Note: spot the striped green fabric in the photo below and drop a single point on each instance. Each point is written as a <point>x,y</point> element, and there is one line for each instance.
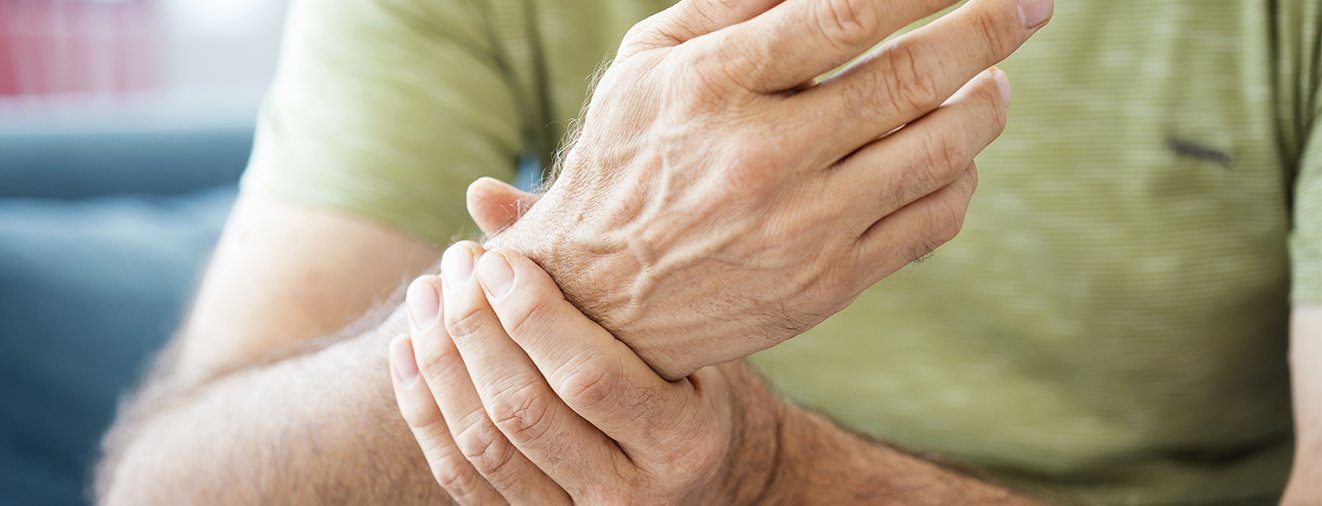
<point>1110,327</point>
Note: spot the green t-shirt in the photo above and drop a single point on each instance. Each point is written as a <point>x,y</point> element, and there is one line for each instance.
<point>1111,326</point>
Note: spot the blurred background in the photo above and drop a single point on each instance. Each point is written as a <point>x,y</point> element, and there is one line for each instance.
<point>124,125</point>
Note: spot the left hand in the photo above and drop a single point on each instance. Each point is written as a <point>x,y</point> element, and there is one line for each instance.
<point>514,395</point>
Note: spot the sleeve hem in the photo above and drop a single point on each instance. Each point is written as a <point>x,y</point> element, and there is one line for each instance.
<point>430,224</point>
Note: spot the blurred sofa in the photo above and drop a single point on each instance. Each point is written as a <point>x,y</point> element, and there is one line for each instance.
<point>104,228</point>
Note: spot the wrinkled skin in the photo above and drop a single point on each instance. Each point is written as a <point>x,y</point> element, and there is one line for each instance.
<point>718,200</point>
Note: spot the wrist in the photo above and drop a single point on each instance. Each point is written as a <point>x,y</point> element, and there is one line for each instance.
<point>586,272</point>
<point>797,436</point>
<point>752,463</point>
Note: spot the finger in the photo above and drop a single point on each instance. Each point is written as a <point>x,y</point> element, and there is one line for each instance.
<point>479,441</point>
<point>913,74</point>
<point>596,375</point>
<point>926,155</point>
<point>448,466</point>
<point>516,396</point>
<point>802,39</point>
<point>918,229</point>
<point>688,19</point>
<point>495,204</point>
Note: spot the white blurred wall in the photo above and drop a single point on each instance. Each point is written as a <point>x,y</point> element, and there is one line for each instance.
<point>221,44</point>
<point>166,62</point>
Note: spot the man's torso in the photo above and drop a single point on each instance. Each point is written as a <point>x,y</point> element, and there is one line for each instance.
<point>1111,323</point>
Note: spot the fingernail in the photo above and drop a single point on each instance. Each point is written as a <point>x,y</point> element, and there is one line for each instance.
<point>457,265</point>
<point>481,184</point>
<point>423,302</point>
<point>495,273</point>
<point>1035,12</point>
<point>1003,83</point>
<point>401,358</point>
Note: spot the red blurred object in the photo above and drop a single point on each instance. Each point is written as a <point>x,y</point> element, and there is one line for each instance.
<point>79,46</point>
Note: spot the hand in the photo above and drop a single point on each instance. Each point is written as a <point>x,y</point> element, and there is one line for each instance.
<point>516,396</point>
<point>715,190</point>
<point>495,205</point>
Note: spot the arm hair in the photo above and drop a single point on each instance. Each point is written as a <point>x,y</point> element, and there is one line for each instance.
<point>311,424</point>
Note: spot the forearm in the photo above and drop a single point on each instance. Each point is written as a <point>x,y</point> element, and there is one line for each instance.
<point>286,273</point>
<point>821,463</point>
<point>1305,485</point>
<point>316,428</point>
<point>817,462</point>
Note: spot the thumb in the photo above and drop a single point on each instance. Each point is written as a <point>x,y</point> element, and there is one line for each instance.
<point>495,205</point>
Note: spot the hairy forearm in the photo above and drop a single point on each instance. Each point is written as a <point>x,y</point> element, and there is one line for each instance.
<point>322,426</point>
<point>824,464</point>
<point>814,461</point>
<point>315,428</point>
<point>286,273</point>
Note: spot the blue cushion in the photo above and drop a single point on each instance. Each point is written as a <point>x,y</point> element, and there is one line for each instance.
<point>88,289</point>
<point>96,160</point>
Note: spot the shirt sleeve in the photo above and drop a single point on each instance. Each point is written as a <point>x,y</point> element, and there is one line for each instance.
<point>1303,26</point>
<point>1306,238</point>
<point>387,109</point>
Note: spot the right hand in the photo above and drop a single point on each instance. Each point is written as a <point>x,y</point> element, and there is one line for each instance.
<point>718,201</point>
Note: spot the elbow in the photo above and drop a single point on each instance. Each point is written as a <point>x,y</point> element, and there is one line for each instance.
<point>140,465</point>
<point>161,467</point>
<point>127,479</point>
<point>157,453</point>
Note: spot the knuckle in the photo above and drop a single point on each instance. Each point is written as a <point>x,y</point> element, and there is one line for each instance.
<point>638,29</point>
<point>782,229</point>
<point>538,314</point>
<point>847,23</point>
<point>520,413</point>
<point>467,320</point>
<point>907,81</point>
<point>997,33</point>
<point>743,182</point>
<point>949,216</point>
<point>641,34</point>
<point>954,225</point>
<point>753,170</point>
<point>485,447</point>
<point>454,475</point>
<point>591,384</point>
<point>986,114</point>
<point>705,80</point>
<point>652,32</point>
<point>942,152</point>
<point>436,360</point>
<point>688,20</point>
